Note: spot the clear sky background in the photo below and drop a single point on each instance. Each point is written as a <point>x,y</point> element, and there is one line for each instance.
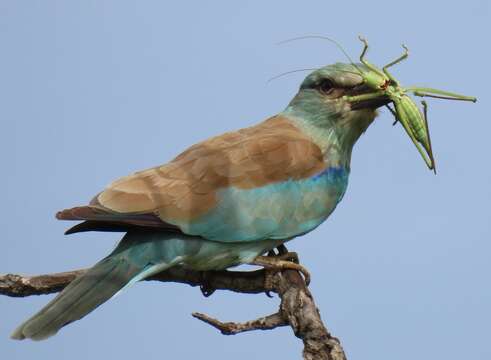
<point>94,90</point>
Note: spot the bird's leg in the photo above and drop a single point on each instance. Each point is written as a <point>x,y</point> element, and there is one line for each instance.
<point>284,254</point>
<point>283,261</point>
<point>268,273</point>
<point>282,249</point>
<point>271,253</point>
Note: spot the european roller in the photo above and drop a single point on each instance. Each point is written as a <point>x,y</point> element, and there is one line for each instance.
<point>224,201</point>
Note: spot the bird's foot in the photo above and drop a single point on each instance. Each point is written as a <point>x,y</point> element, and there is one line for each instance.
<point>284,260</point>
<point>284,254</point>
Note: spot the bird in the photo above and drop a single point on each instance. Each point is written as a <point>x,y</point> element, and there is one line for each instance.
<point>225,201</point>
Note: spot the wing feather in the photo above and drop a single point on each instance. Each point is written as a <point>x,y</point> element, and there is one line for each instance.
<point>186,188</point>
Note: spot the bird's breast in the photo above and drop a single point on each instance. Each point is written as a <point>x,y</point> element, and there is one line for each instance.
<point>276,211</point>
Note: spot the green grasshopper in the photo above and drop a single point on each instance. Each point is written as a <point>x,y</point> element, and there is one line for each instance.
<point>406,111</point>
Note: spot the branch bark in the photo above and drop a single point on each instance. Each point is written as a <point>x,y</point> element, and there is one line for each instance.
<point>269,322</point>
<point>297,308</point>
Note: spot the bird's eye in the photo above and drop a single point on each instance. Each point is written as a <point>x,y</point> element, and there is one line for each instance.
<point>326,86</point>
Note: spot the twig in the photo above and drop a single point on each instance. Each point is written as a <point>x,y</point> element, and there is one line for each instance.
<point>231,328</point>
<point>20,286</point>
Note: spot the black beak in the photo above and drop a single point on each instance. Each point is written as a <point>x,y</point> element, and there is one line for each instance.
<point>362,97</point>
<point>370,103</point>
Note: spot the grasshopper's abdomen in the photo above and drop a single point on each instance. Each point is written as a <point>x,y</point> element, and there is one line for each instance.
<point>407,109</point>
<point>416,126</point>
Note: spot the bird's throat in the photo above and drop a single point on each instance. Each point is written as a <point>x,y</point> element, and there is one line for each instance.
<point>335,138</point>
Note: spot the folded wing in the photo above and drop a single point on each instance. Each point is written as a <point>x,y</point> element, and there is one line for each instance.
<point>187,187</point>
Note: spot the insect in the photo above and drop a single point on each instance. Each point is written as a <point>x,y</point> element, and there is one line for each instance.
<point>405,111</point>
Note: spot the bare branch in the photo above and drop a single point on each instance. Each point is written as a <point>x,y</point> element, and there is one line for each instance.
<point>20,286</point>
<point>231,328</point>
<point>298,307</point>
<point>251,282</point>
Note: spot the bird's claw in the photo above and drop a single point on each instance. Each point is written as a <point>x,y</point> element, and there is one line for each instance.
<point>206,291</point>
<point>205,287</point>
<point>285,261</point>
<point>289,256</point>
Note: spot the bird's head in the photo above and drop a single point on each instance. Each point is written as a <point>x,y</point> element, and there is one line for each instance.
<point>322,107</point>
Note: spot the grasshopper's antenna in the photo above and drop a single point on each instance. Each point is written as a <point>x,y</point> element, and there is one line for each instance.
<point>323,38</point>
<point>290,72</point>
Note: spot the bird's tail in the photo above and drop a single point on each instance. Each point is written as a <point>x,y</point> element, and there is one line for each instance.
<point>138,255</point>
<point>128,263</point>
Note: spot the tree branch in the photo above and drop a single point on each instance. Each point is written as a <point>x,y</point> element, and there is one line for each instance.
<point>297,308</point>
<point>250,282</point>
<point>269,322</point>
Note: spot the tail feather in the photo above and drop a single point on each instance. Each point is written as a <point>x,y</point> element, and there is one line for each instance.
<point>138,255</point>
<point>79,298</point>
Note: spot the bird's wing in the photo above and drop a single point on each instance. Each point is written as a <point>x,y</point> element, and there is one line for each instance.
<point>186,188</point>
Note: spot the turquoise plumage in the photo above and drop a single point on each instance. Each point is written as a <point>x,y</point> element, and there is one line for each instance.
<point>224,201</point>
<point>272,211</point>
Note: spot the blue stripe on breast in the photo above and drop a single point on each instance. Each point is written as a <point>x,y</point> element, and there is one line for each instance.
<point>275,211</point>
<point>332,172</point>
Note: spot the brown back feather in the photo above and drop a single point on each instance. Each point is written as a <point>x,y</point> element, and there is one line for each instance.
<point>186,187</point>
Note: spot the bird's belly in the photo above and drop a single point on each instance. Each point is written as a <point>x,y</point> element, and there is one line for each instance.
<point>276,211</point>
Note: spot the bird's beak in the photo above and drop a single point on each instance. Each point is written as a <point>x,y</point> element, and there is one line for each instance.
<point>362,97</point>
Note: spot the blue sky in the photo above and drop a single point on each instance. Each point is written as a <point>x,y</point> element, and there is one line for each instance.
<point>94,90</point>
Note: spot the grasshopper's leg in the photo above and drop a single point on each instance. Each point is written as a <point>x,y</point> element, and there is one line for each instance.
<point>365,48</point>
<point>439,94</point>
<point>393,113</point>
<point>362,56</point>
<point>425,113</point>
<point>398,60</point>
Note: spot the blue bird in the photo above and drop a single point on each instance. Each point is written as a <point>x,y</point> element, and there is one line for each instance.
<point>224,201</point>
